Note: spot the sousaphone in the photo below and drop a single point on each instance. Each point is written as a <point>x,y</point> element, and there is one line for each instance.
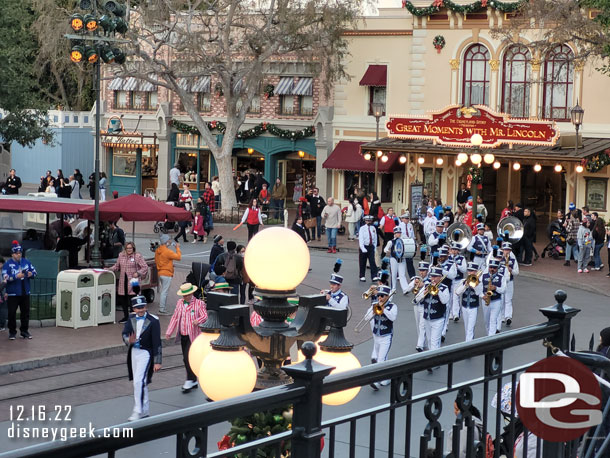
<point>459,233</point>
<point>512,227</point>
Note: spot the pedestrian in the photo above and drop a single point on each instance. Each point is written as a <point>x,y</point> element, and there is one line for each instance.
<point>439,212</point>
<point>253,217</point>
<point>79,177</point>
<point>382,326</point>
<point>508,210</point>
<point>91,186</point>
<point>117,238</point>
<point>529,233</point>
<point>367,242</point>
<point>3,300</point>
<point>571,224</point>
<point>217,249</point>
<point>164,260</point>
<point>216,188</point>
<point>298,227</point>
<point>462,195</point>
<point>585,241</point>
<point>174,175</point>
<point>102,185</point>
<point>387,223</point>
<point>13,183</point>
<point>131,268</point>
<point>429,224</point>
<point>469,294</point>
<point>278,196</point>
<point>608,248</point>
<point>63,188</point>
<point>481,209</point>
<point>74,188</point>
<point>174,194</point>
<point>352,216</point>
<point>332,216</point>
<point>189,313</point>
<point>142,334</point>
<point>71,245</point>
<point>264,197</point>
<point>448,215</point>
<point>317,204</point>
<point>599,236</point>
<point>245,284</point>
<point>198,228</point>
<point>233,265</point>
<point>16,272</point>
<point>304,212</point>
<point>183,225</point>
<point>208,199</point>
<point>186,198</point>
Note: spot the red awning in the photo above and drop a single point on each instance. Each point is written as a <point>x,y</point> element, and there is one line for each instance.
<point>135,207</point>
<point>346,156</point>
<point>22,204</point>
<point>375,75</point>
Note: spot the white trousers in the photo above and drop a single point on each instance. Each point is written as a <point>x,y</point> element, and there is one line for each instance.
<point>480,261</point>
<point>469,314</point>
<point>139,365</point>
<point>490,314</point>
<point>418,311</point>
<point>455,300</point>
<point>381,347</point>
<point>508,300</point>
<point>448,311</point>
<point>434,331</point>
<point>164,284</point>
<point>102,194</point>
<point>399,269</point>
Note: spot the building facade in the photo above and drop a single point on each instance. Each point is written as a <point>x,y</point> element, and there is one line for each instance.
<point>415,64</point>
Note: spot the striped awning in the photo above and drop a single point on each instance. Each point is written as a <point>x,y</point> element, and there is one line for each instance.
<point>238,86</point>
<point>116,84</point>
<point>147,86</point>
<point>184,84</point>
<point>284,87</point>
<point>304,87</point>
<point>131,84</point>
<point>202,84</point>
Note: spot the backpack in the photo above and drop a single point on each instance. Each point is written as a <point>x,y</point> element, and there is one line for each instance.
<point>231,267</point>
<point>489,443</point>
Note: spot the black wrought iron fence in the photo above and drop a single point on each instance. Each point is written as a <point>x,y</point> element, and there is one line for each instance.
<point>392,428</point>
<point>42,293</point>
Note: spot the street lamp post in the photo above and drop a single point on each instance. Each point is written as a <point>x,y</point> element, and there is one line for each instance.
<point>577,114</point>
<point>476,141</point>
<point>378,109</point>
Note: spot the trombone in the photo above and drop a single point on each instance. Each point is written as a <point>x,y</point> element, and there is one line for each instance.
<point>473,280</point>
<point>430,289</point>
<point>369,292</point>
<point>376,310</point>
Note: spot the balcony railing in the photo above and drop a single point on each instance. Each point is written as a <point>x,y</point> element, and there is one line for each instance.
<point>396,419</point>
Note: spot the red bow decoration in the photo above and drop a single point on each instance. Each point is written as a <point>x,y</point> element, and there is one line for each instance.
<point>225,443</point>
<point>484,3</point>
<point>438,3</point>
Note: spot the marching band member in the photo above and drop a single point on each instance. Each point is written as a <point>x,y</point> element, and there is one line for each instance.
<point>416,284</point>
<point>382,326</point>
<point>461,267</point>
<point>469,299</point>
<point>449,273</point>
<point>435,307</point>
<point>407,232</point>
<point>334,296</point>
<point>438,237</point>
<point>494,286</point>
<point>367,241</point>
<point>480,246</point>
<point>509,263</point>
<point>395,249</point>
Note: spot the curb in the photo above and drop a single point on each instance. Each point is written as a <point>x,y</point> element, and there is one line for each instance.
<point>571,284</point>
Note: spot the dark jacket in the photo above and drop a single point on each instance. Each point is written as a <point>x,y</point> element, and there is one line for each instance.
<point>299,230</point>
<point>239,264</point>
<point>317,204</point>
<point>529,227</point>
<point>216,250</point>
<point>174,194</point>
<point>519,214</point>
<point>12,185</point>
<point>72,246</point>
<point>462,196</point>
<point>150,340</point>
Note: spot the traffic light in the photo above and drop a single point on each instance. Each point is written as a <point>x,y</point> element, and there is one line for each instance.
<point>77,22</point>
<point>77,53</point>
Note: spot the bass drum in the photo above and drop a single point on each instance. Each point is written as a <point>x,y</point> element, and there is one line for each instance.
<point>410,247</point>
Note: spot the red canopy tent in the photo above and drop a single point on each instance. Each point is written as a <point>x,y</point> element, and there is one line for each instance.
<point>135,207</point>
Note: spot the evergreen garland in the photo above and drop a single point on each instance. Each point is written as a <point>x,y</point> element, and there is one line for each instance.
<point>475,174</point>
<point>505,7</point>
<point>596,163</point>
<point>253,132</point>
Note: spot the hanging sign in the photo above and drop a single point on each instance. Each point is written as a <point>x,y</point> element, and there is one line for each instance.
<point>455,125</point>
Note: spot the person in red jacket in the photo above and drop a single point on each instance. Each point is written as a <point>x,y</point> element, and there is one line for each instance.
<point>387,223</point>
<point>253,218</point>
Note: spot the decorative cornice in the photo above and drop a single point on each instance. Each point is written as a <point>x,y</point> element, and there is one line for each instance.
<point>377,33</point>
<point>455,64</point>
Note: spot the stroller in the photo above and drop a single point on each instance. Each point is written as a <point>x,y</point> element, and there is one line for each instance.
<point>165,226</point>
<point>556,247</point>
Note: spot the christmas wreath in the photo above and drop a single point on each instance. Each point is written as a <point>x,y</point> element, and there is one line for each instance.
<point>218,90</point>
<point>435,7</point>
<point>596,163</point>
<point>247,133</point>
<point>268,91</point>
<point>439,43</point>
<point>475,175</point>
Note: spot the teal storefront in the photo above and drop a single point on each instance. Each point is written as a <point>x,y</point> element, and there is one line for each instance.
<point>271,155</point>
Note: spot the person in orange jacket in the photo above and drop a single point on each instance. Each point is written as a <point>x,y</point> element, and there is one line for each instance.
<point>164,259</point>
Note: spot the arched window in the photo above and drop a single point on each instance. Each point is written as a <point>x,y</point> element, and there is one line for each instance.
<point>558,83</point>
<point>475,80</point>
<point>516,74</point>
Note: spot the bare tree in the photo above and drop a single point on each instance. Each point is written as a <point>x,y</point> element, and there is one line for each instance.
<point>234,40</point>
<point>584,25</point>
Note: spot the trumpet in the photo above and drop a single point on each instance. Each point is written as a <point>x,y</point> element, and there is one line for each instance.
<point>416,289</point>
<point>376,310</point>
<point>472,280</point>
<point>369,292</point>
<point>430,289</point>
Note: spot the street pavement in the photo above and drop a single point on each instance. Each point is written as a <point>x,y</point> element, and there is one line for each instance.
<point>166,396</point>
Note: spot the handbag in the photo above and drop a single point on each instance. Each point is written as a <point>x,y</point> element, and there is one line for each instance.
<point>310,223</point>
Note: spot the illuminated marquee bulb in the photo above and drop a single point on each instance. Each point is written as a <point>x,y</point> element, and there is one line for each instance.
<point>497,165</point>
<point>458,163</point>
<point>516,166</point>
<point>462,157</point>
<point>558,168</point>
<point>384,158</point>
<point>537,168</point>
<point>489,158</point>
<point>402,159</point>
<point>476,158</point>
<point>439,161</point>
<point>420,160</point>
<point>579,169</point>
<point>367,156</point>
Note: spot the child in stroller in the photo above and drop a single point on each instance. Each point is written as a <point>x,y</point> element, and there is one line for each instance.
<point>557,244</point>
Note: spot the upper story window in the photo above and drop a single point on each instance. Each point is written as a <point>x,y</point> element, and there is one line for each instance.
<point>134,94</point>
<point>558,83</point>
<point>516,73</point>
<point>475,80</point>
<point>375,78</point>
<point>376,95</point>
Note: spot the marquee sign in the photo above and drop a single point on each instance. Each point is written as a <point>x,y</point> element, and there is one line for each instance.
<point>454,125</point>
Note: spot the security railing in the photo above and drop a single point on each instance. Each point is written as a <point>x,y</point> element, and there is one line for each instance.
<point>393,428</point>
